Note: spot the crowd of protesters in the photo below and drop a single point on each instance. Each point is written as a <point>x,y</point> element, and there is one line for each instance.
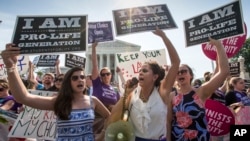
<point>155,108</point>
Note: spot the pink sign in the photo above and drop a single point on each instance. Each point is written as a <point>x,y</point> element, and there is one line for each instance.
<point>232,46</point>
<point>219,118</point>
<point>243,116</point>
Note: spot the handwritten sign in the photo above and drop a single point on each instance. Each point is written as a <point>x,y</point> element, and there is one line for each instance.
<point>219,118</point>
<point>131,62</point>
<point>34,123</point>
<point>100,31</point>
<point>139,19</point>
<point>22,66</point>
<point>223,22</point>
<point>50,34</point>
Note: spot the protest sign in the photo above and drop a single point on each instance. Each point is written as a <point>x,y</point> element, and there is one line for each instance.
<point>34,123</point>
<point>131,62</point>
<point>223,22</point>
<point>232,46</point>
<point>50,34</point>
<point>72,60</point>
<point>219,118</point>
<point>139,19</point>
<point>47,60</point>
<point>100,31</point>
<point>22,66</point>
<point>234,69</point>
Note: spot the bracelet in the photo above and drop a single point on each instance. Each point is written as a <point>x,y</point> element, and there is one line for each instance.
<point>12,69</point>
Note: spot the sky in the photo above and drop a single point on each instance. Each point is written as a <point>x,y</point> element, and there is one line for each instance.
<point>101,10</point>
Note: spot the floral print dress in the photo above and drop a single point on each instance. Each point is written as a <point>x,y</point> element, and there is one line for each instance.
<point>189,121</point>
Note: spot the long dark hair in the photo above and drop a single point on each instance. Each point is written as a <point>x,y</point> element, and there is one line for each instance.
<point>63,103</point>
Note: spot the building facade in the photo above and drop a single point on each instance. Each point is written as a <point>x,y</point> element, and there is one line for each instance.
<point>106,52</point>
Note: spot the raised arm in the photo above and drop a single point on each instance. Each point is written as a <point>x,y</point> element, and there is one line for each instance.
<point>57,67</point>
<point>95,71</point>
<point>31,76</point>
<point>16,85</point>
<point>167,83</point>
<point>207,89</point>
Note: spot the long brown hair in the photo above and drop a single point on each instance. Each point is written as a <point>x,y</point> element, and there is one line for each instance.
<point>63,103</point>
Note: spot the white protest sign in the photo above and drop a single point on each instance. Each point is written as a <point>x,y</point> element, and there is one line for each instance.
<point>131,62</point>
<point>34,123</point>
<point>22,66</point>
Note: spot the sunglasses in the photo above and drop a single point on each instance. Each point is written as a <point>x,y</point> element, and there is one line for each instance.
<point>1,89</point>
<point>107,74</point>
<point>76,77</point>
<point>59,79</point>
<point>180,72</point>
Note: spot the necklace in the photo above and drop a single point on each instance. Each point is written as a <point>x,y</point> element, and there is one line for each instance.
<point>144,99</point>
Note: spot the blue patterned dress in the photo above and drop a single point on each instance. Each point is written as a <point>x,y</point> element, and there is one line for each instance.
<point>78,127</point>
<point>189,121</point>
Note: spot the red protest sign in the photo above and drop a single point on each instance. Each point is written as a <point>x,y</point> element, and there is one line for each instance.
<point>232,46</point>
<point>219,118</point>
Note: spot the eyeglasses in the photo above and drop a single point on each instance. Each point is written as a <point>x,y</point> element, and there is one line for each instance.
<point>76,77</point>
<point>58,79</point>
<point>1,89</point>
<point>180,72</point>
<point>107,74</point>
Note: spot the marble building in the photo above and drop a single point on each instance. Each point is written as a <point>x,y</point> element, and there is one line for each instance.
<point>106,54</point>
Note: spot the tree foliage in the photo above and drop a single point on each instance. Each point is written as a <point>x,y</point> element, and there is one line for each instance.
<point>245,53</point>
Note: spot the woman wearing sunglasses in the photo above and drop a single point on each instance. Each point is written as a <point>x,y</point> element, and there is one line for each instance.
<point>186,111</point>
<point>102,88</point>
<point>72,106</point>
<point>57,83</point>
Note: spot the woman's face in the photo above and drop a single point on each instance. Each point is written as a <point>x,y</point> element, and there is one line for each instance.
<point>58,81</point>
<point>146,75</point>
<point>240,85</point>
<point>183,75</point>
<point>105,76</point>
<point>78,81</point>
<point>3,92</point>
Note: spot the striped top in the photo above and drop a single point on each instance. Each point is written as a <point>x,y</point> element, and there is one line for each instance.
<point>78,127</point>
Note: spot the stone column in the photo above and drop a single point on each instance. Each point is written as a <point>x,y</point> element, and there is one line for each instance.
<point>242,68</point>
<point>100,61</point>
<point>108,61</point>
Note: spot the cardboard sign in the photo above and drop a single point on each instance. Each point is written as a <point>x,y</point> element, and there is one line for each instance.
<point>72,61</point>
<point>139,19</point>
<point>47,60</point>
<point>22,66</point>
<point>131,62</point>
<point>34,123</point>
<point>50,34</point>
<point>223,22</point>
<point>219,118</point>
<point>100,31</point>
